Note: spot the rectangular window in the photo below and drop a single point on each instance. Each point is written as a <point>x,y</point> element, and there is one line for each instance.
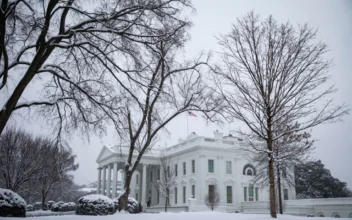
<point>256,194</point>
<point>245,193</point>
<point>193,166</point>
<point>158,174</point>
<point>229,194</point>
<point>137,179</point>
<point>285,194</point>
<point>193,191</point>
<point>168,171</point>
<point>175,169</point>
<point>137,196</point>
<point>184,194</point>
<point>175,195</point>
<point>211,166</point>
<point>151,176</point>
<point>284,172</point>
<point>251,192</point>
<point>228,167</point>
<point>184,168</point>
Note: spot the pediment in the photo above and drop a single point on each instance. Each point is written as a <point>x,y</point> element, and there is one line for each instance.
<point>192,180</point>
<point>183,182</point>
<point>104,153</point>
<point>229,181</point>
<point>211,180</point>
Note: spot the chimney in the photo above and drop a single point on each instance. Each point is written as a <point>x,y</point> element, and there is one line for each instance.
<point>218,134</point>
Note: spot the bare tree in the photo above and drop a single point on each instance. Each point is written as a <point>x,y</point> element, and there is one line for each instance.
<point>59,161</point>
<point>167,183</point>
<point>272,72</point>
<point>173,88</point>
<point>75,54</point>
<point>212,198</point>
<point>19,161</point>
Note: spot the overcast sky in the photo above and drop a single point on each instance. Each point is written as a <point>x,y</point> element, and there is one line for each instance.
<point>214,17</point>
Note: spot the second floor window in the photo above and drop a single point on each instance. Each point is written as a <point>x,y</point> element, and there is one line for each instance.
<point>211,166</point>
<point>193,166</point>
<point>228,167</point>
<point>137,179</point>
<point>184,168</point>
<point>175,169</point>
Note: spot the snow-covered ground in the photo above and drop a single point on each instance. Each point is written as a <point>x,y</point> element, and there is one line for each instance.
<point>174,216</point>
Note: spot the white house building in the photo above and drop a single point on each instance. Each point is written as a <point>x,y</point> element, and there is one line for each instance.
<point>200,162</point>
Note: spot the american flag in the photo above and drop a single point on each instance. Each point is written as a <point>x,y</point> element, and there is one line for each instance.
<point>192,114</point>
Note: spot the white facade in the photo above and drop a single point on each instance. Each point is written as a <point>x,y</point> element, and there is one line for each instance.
<point>201,161</point>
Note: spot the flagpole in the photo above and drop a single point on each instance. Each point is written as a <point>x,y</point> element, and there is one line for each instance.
<point>187,124</point>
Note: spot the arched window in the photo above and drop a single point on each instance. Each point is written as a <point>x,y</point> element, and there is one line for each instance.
<point>335,215</point>
<point>249,170</point>
<point>320,214</point>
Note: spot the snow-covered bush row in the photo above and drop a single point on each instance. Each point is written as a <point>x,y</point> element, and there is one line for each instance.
<point>49,204</point>
<point>37,206</point>
<point>63,207</point>
<point>29,208</point>
<point>95,205</point>
<point>132,207</point>
<point>11,204</point>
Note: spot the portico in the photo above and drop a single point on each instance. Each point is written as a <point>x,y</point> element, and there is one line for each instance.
<point>111,164</point>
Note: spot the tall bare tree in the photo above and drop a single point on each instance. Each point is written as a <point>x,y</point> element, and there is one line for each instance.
<point>167,183</point>
<point>58,163</point>
<point>173,88</point>
<point>75,54</point>
<point>212,198</point>
<point>272,72</point>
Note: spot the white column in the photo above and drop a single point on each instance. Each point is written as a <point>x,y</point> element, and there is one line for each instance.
<point>108,188</point>
<point>99,181</point>
<point>144,186</point>
<point>104,181</point>
<point>122,180</point>
<point>114,181</point>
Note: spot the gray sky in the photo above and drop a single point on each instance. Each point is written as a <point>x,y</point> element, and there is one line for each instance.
<point>334,20</point>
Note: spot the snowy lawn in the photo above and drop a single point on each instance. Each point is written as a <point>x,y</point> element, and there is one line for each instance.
<point>174,216</point>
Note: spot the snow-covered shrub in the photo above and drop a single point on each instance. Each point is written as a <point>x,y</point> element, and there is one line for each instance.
<point>71,206</point>
<point>37,206</point>
<point>49,204</point>
<point>95,205</point>
<point>63,207</point>
<point>29,208</point>
<point>11,204</point>
<point>132,206</point>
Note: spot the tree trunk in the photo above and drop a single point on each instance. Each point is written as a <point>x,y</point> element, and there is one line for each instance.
<point>43,200</point>
<point>123,200</point>
<point>272,189</point>
<point>165,204</point>
<point>271,166</point>
<point>279,190</point>
<point>167,199</point>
